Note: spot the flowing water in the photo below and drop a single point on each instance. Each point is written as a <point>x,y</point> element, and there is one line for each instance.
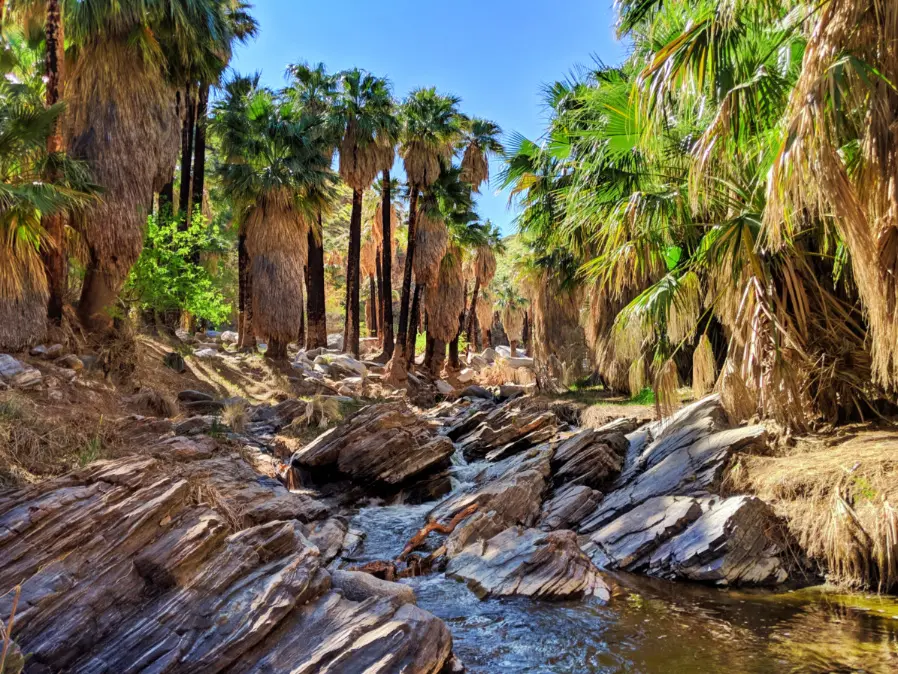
<point>650,625</point>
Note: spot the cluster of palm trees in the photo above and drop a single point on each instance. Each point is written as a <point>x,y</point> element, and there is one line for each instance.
<point>275,156</point>
<point>723,204</point>
<point>124,84</point>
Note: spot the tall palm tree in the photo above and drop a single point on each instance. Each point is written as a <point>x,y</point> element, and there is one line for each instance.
<point>364,108</point>
<point>121,118</point>
<point>480,141</point>
<point>431,126</point>
<point>384,225</point>
<point>314,89</point>
<point>484,271</point>
<point>27,197</point>
<point>277,174</point>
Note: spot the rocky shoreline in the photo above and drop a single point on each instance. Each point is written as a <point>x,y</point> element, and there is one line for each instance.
<point>185,558</point>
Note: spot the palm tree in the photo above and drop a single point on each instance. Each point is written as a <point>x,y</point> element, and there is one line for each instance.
<point>277,175</point>
<point>384,230</point>
<point>314,89</point>
<point>27,197</point>
<point>121,118</point>
<point>484,271</point>
<point>430,128</point>
<point>364,108</point>
<point>480,141</point>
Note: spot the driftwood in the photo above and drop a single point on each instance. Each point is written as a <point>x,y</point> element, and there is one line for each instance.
<point>418,539</point>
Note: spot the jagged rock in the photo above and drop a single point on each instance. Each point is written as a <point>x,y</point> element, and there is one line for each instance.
<point>686,459</point>
<point>626,542</point>
<point>590,457</point>
<point>190,396</point>
<point>206,353</point>
<point>195,425</point>
<point>335,341</point>
<point>38,351</point>
<point>280,415</point>
<point>185,336</point>
<point>348,364</point>
<point>26,379</point>
<point>474,391</point>
<point>328,537</point>
<point>477,362</point>
<point>535,437</point>
<point>569,505</point>
<point>229,337</point>
<point>360,586</point>
<point>204,406</point>
<point>510,391</point>
<point>385,443</point>
<point>70,362</point>
<point>443,387</point>
<point>146,564</point>
<point>481,526</point>
<point>511,488</point>
<point>530,563</point>
<point>10,367</point>
<point>519,361</point>
<point>504,425</point>
<point>738,541</point>
<point>489,355</point>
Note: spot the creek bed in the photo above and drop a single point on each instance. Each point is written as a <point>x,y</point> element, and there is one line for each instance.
<point>650,625</point>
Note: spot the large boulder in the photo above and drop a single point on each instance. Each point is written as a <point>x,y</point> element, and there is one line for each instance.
<point>506,429</point>
<point>385,443</point>
<point>171,561</point>
<point>590,457</point>
<point>530,563</point>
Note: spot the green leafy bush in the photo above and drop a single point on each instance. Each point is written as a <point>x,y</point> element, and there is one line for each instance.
<point>169,276</point>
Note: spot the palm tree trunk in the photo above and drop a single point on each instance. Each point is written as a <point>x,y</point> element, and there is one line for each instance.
<point>199,152</point>
<point>386,264</point>
<point>378,271</point>
<point>55,254</point>
<point>372,300</point>
<point>301,338</point>
<point>401,335</point>
<point>97,294</point>
<point>316,336</point>
<point>244,296</point>
<point>353,276</point>
<point>277,350</point>
<point>470,331</point>
<point>525,332</point>
<point>414,319</point>
<point>438,357</point>
<point>428,351</point>
<point>167,196</point>
<point>187,154</point>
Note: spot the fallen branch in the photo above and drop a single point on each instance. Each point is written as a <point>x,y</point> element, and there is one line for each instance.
<point>418,539</point>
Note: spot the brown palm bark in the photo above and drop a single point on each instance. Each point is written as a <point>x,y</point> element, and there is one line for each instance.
<point>386,262</point>
<point>199,150</point>
<point>372,301</point>
<point>167,195</point>
<point>353,276</point>
<point>472,315</point>
<point>244,296</point>
<point>277,350</point>
<point>316,335</point>
<point>301,338</point>
<point>404,304</point>
<point>97,295</point>
<point>379,304</point>
<point>414,321</point>
<point>54,255</point>
<point>187,154</point>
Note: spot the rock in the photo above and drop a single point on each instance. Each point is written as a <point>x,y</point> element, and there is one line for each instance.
<point>477,362</point>
<point>190,396</point>
<point>510,391</point>
<point>10,367</point>
<point>519,362</point>
<point>195,425</point>
<point>312,354</point>
<point>738,541</point>
<point>385,443</point>
<point>204,406</point>
<point>144,564</point>
<point>26,379</point>
<point>626,542</point>
<point>174,361</point>
<point>328,537</point>
<point>229,337</point>
<point>71,362</point>
<point>444,388</point>
<point>335,341</point>
<point>489,355</point>
<point>475,391</point>
<point>569,505</point>
<point>502,426</point>
<point>349,364</point>
<point>39,351</point>
<point>590,457</point>
<point>206,353</point>
<point>368,344</point>
<point>530,563</point>
<point>511,488</point>
<point>359,586</point>
<point>466,375</point>
<point>208,345</point>
<point>185,336</point>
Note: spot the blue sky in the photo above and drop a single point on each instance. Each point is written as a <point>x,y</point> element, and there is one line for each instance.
<point>494,54</point>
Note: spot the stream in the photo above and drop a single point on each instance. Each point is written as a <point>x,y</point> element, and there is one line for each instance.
<point>650,625</point>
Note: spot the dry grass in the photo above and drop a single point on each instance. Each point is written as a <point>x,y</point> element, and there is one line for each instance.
<point>23,317</point>
<point>235,415</point>
<point>667,381</point>
<point>513,323</point>
<point>446,300</point>
<point>838,496</point>
<point>360,158</point>
<point>636,376</point>
<point>117,352</point>
<point>34,446</point>
<point>431,243</point>
<point>704,369</point>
